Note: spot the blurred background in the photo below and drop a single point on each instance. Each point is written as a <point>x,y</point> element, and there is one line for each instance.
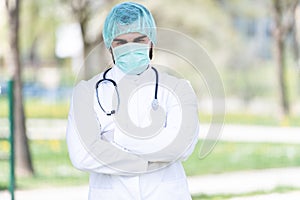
<point>47,45</point>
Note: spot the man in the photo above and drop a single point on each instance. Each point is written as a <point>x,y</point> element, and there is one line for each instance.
<point>132,132</point>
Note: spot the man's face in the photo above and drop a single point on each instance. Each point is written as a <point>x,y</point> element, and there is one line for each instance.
<point>130,37</point>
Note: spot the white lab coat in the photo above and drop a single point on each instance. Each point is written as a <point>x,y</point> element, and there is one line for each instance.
<point>136,180</point>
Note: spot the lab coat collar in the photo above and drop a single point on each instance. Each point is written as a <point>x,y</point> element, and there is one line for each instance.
<point>116,74</point>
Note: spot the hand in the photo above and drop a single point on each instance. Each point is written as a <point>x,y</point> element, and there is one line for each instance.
<point>153,166</point>
<point>107,135</point>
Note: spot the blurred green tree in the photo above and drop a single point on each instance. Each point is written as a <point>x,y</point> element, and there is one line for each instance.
<point>39,21</point>
<point>84,12</point>
<point>283,16</point>
<point>213,24</point>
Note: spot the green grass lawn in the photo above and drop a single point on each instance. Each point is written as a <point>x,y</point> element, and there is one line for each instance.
<point>36,108</point>
<point>51,165</point>
<point>53,168</point>
<point>233,156</point>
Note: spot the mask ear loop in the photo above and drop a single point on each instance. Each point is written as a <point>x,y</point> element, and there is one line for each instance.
<point>112,55</point>
<point>151,51</point>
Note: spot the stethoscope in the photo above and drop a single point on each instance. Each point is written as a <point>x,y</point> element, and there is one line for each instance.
<point>108,113</point>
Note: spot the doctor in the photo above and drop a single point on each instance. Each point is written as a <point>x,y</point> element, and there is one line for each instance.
<point>131,126</point>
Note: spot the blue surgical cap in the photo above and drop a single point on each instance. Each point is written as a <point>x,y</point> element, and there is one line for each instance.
<point>128,17</point>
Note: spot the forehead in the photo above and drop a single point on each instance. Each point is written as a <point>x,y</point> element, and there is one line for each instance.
<point>130,36</point>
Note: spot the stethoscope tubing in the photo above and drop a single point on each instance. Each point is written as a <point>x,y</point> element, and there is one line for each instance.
<point>154,103</point>
<point>118,96</point>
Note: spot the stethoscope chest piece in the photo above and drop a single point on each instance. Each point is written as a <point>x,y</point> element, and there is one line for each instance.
<point>155,104</point>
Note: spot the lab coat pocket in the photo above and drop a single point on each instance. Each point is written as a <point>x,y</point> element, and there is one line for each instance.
<point>100,181</point>
<point>173,190</point>
<point>101,187</point>
<point>174,184</point>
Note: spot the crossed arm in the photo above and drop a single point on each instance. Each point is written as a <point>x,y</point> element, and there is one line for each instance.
<point>89,153</point>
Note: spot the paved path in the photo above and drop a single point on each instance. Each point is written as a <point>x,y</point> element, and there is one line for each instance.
<point>228,183</point>
<point>56,129</point>
<point>243,133</point>
<point>245,181</point>
<point>68,193</point>
<point>275,196</point>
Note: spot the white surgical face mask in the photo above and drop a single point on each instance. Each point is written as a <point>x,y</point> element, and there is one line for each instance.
<point>132,58</point>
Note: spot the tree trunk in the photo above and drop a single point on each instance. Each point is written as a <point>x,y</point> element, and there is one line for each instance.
<point>22,156</point>
<point>279,36</point>
<point>295,44</point>
<point>85,52</point>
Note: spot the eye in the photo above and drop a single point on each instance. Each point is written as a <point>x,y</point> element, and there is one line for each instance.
<point>139,40</point>
<point>121,42</point>
<point>118,43</point>
<point>142,39</point>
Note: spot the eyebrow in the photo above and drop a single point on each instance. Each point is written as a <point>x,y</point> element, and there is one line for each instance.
<point>135,39</point>
<point>140,37</point>
<point>119,40</point>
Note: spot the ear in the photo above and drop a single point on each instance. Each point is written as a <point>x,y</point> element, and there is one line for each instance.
<point>112,55</point>
<point>151,51</point>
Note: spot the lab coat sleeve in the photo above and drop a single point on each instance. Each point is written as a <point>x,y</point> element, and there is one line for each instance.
<point>187,131</point>
<point>191,148</point>
<point>89,153</point>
